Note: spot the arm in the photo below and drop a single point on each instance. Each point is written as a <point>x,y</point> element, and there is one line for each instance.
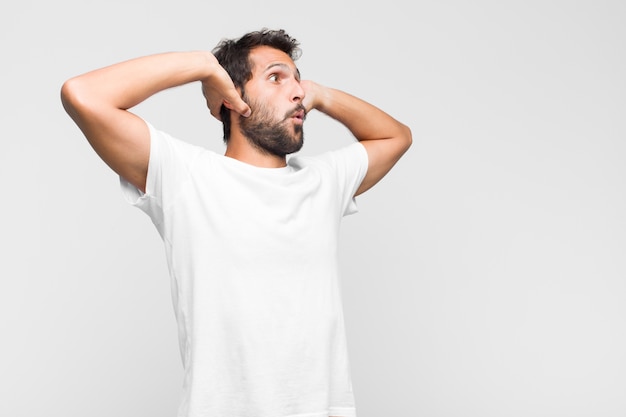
<point>98,102</point>
<point>384,138</point>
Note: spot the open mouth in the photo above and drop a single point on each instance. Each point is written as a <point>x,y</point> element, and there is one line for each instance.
<point>299,115</point>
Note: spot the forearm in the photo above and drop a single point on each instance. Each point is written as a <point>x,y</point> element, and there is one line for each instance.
<point>365,121</point>
<point>128,83</point>
<point>385,139</point>
<point>97,101</point>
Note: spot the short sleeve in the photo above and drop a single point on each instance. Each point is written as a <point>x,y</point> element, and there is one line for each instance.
<point>170,163</point>
<point>350,165</point>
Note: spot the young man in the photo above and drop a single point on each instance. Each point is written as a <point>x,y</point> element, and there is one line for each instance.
<point>251,235</point>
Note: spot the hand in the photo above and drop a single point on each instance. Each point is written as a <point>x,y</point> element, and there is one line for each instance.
<point>218,89</point>
<point>313,96</point>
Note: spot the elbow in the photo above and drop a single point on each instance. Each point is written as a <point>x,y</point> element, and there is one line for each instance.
<point>70,96</point>
<point>407,137</point>
<point>78,100</point>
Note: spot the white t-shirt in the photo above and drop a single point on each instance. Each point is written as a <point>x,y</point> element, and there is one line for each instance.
<point>252,254</point>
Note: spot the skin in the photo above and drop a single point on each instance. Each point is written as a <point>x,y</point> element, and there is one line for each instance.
<point>276,80</point>
<point>98,102</point>
<point>275,93</point>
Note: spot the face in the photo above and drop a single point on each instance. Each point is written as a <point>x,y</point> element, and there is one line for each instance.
<point>275,96</point>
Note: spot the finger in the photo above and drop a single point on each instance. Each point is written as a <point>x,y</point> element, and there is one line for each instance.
<point>307,102</point>
<point>240,107</point>
<point>216,114</point>
<point>214,108</point>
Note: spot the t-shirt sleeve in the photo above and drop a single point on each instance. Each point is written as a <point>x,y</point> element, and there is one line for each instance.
<point>350,165</point>
<point>169,165</point>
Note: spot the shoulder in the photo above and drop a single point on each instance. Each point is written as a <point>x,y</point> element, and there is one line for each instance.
<point>162,139</point>
<point>168,150</point>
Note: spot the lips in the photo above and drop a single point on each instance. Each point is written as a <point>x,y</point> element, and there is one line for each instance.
<point>299,112</point>
<point>299,115</point>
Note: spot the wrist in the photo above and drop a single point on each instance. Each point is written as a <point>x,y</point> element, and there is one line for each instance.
<point>204,63</point>
<point>323,99</point>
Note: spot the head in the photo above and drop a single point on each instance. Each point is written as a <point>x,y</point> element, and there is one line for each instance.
<point>238,57</point>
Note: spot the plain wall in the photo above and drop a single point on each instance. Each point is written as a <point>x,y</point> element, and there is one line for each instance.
<point>484,276</point>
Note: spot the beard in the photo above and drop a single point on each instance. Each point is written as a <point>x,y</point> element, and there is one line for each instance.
<point>270,136</point>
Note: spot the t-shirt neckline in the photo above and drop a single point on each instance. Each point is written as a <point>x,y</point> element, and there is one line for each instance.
<point>253,168</point>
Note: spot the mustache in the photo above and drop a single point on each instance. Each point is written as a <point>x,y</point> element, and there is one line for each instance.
<point>299,108</point>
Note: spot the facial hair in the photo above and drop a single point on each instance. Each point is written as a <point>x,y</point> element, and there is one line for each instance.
<point>273,137</point>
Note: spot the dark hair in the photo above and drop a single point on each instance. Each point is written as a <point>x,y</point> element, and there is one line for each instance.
<point>233,54</point>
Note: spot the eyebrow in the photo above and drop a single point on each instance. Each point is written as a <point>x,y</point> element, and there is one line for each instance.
<point>284,66</point>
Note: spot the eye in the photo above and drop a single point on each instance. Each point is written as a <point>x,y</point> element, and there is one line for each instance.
<point>273,77</point>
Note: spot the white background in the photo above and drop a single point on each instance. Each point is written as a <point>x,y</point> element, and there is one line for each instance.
<point>485,276</point>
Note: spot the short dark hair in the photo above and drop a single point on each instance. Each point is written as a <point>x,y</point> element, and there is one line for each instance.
<point>233,55</point>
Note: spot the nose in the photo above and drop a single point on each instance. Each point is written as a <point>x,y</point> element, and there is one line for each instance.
<point>298,92</point>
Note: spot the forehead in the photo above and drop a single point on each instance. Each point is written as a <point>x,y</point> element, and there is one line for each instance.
<point>264,57</point>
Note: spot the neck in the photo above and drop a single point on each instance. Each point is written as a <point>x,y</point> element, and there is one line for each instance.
<point>239,148</point>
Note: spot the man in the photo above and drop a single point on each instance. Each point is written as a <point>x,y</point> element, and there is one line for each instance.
<point>251,235</point>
